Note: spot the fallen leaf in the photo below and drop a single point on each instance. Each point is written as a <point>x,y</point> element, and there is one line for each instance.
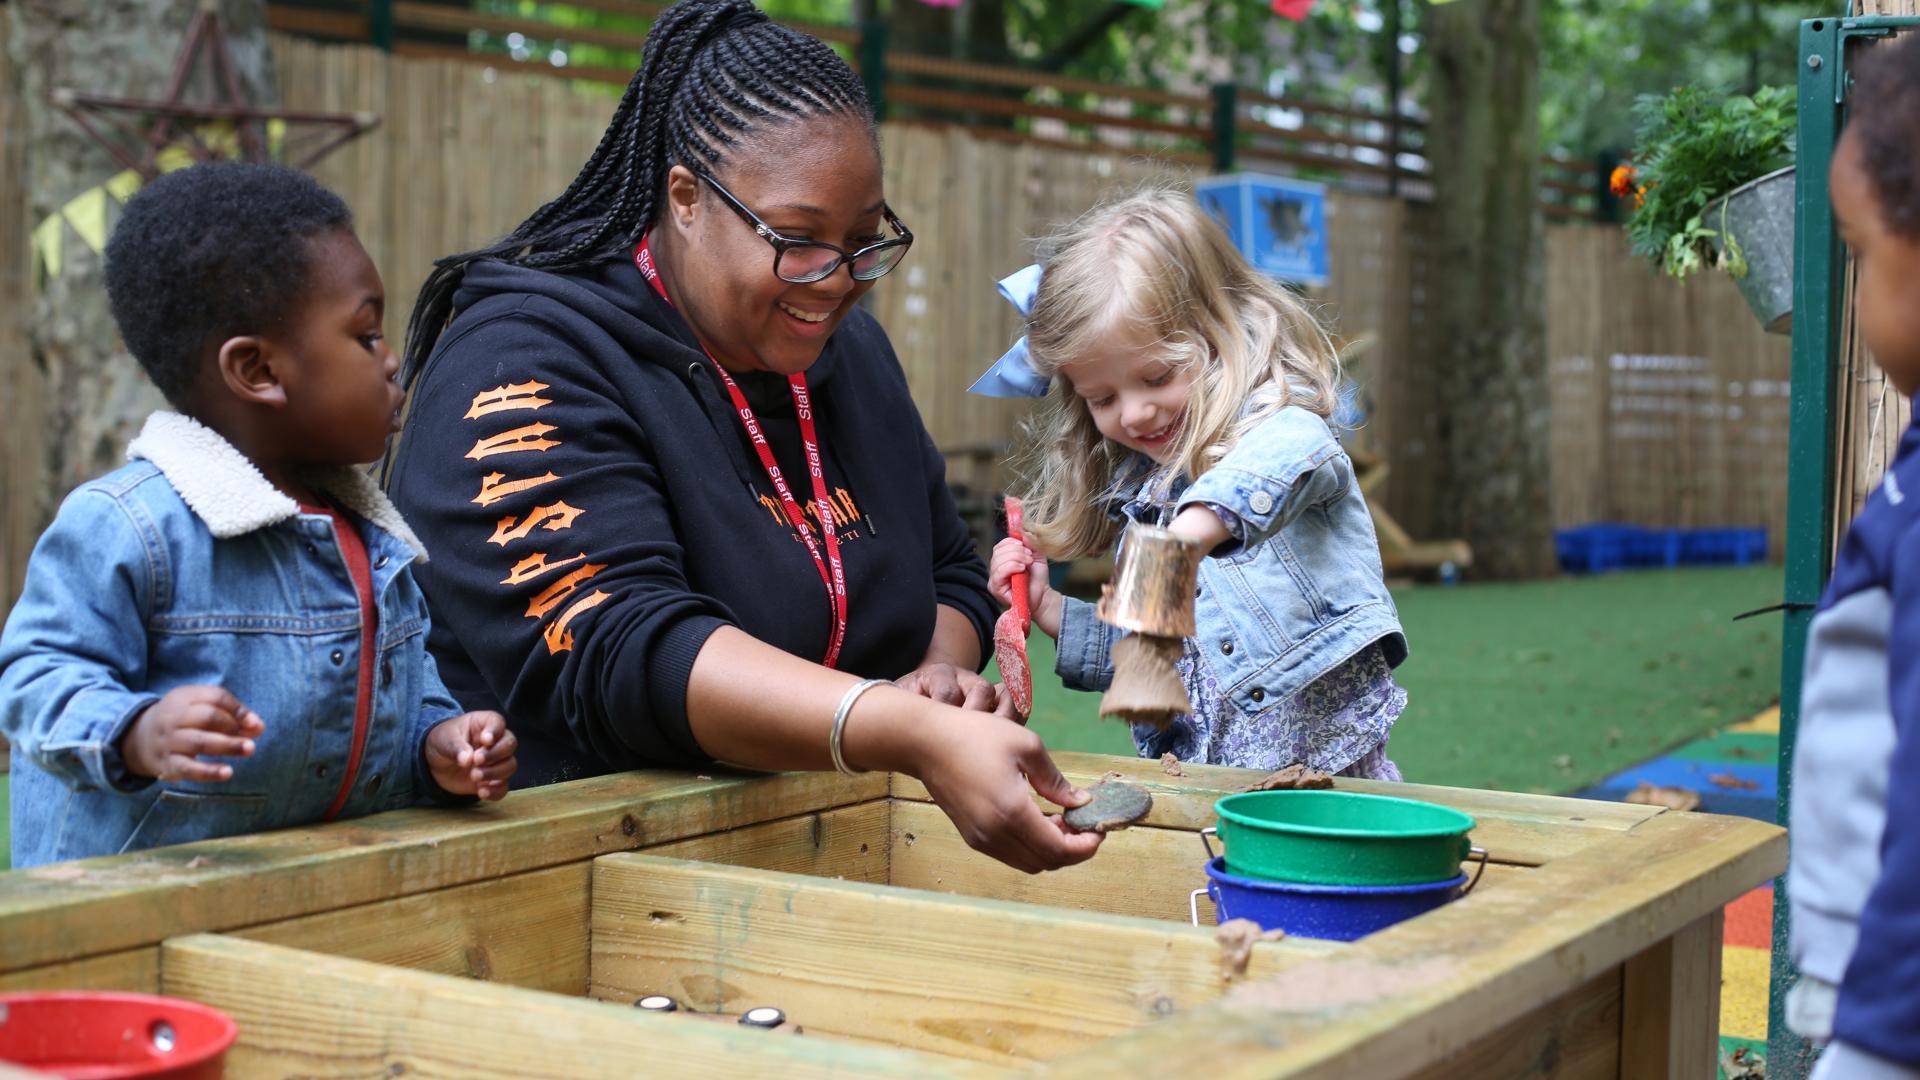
<point>1673,798</point>
<point>1728,780</point>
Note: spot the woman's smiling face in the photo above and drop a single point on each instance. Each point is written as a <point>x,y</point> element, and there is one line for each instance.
<point>818,179</point>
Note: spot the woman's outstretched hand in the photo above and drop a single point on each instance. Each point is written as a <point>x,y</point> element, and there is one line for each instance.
<point>951,684</point>
<point>984,773</point>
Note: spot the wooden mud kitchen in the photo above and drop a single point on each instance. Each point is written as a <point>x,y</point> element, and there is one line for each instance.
<point>514,939</point>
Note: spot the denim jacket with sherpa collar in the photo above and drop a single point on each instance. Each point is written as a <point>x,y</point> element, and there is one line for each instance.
<point>1299,589</point>
<point>186,567</point>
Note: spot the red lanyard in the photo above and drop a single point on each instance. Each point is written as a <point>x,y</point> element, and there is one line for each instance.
<point>832,575</point>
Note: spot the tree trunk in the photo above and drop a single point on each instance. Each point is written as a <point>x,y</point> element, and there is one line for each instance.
<point>93,396</point>
<point>1484,296</point>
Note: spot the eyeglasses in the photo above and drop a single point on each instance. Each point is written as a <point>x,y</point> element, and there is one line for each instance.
<point>802,261</point>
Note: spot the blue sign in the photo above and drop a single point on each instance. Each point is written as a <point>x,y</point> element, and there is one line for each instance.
<point>1280,225</point>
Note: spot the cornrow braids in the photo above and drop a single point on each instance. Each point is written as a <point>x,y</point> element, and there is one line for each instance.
<point>713,73</point>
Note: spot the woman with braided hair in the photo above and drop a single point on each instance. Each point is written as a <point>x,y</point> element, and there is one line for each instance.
<point>680,504</point>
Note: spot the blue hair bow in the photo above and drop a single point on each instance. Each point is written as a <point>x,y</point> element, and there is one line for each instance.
<point>1012,375</point>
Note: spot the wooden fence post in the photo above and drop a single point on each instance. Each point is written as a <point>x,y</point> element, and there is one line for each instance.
<point>873,65</point>
<point>380,24</point>
<point>1226,112</point>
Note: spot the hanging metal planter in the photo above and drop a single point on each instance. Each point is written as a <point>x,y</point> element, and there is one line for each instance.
<point>1754,223</point>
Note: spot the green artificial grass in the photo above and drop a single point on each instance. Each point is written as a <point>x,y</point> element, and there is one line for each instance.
<point>1544,686</point>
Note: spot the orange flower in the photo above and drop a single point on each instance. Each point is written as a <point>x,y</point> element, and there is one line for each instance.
<point>1621,183</point>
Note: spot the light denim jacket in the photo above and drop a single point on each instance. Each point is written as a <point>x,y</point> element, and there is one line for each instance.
<point>187,567</point>
<point>1298,591</point>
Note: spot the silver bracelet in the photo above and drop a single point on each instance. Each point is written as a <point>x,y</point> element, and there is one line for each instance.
<point>840,721</point>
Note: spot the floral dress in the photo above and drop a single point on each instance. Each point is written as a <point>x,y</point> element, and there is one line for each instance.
<point>1338,723</point>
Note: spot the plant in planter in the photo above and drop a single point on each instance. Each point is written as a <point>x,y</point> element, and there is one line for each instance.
<point>1712,185</point>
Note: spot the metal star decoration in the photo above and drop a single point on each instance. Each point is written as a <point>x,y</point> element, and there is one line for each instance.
<point>136,130</point>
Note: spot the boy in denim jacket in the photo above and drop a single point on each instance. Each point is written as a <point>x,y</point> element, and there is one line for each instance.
<point>241,589</point>
<point>1854,879</point>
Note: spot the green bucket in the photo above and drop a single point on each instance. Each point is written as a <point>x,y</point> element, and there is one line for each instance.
<point>1341,838</point>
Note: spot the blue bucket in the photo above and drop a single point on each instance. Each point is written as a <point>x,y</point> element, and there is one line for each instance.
<point>1334,912</point>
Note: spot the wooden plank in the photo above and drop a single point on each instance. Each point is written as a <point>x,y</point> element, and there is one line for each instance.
<point>1413,123</point>
<point>286,18</point>
<point>522,930</point>
<point>983,979</point>
<point>1670,1022</point>
<point>1424,990</point>
<point>1520,829</point>
<point>413,15</point>
<point>54,913</point>
<point>135,970</point>
<point>848,843</point>
<point>424,50</point>
<point>1028,78</point>
<point>1574,1037</point>
<point>953,101</point>
<point>303,1013</point>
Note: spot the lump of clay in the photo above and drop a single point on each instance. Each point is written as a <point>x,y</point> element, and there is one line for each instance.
<point>1295,777</point>
<point>1114,806</point>
<point>1146,687</point>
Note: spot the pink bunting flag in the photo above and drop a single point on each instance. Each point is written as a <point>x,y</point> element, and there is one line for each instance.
<point>1286,9</point>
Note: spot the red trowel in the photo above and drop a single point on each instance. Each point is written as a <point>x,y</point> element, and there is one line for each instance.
<point>1010,632</point>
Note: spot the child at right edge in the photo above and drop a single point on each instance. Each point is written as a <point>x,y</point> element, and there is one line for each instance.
<point>1854,878</point>
<point>1185,389</point>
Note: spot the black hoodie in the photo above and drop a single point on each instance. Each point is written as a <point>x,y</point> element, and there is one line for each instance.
<point>594,511</point>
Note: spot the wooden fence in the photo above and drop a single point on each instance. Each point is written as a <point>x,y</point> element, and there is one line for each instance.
<point>465,150</point>
<point>1223,126</point>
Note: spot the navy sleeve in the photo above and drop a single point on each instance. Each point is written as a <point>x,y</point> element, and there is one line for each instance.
<point>959,577</point>
<point>1879,1008</point>
<point>556,564</point>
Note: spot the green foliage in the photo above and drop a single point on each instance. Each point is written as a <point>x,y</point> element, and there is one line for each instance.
<point>1597,57</point>
<point>1693,148</point>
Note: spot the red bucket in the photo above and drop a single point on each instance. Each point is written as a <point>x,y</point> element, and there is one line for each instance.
<point>84,1035</point>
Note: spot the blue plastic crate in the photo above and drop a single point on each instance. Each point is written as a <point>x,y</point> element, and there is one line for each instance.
<point>1734,547</point>
<point>1594,549</point>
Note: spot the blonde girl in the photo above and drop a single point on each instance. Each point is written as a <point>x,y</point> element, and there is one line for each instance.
<point>1185,389</point>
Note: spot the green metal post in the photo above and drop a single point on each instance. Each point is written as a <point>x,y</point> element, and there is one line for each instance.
<point>1226,114</point>
<point>1811,475</point>
<point>1606,205</point>
<point>380,24</point>
<point>873,65</point>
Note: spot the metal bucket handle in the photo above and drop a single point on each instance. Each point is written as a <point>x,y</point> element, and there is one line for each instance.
<point>1193,901</point>
<point>1204,833</point>
<point>1482,853</point>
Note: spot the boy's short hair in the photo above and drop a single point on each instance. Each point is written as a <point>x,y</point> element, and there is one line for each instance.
<point>212,252</point>
<point>1886,117</point>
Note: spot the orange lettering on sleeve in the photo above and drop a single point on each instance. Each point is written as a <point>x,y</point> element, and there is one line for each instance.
<point>496,486</point>
<point>507,399</point>
<point>553,518</point>
<point>558,638</point>
<point>551,596</point>
<point>536,564</point>
<point>519,440</point>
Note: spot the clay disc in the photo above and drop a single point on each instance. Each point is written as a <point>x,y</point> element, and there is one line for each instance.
<point>1113,806</point>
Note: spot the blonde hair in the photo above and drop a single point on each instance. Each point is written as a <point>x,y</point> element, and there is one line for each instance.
<point>1157,261</point>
